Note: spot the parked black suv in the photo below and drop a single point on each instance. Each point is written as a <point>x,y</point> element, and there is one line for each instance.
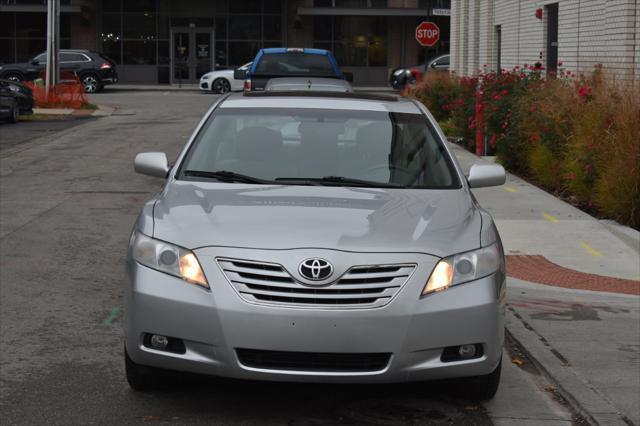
<point>94,69</point>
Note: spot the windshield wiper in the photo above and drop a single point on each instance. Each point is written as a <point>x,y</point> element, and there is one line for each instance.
<point>227,176</point>
<point>341,180</point>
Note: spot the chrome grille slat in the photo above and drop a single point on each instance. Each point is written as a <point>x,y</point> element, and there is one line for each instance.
<point>320,295</point>
<point>359,287</point>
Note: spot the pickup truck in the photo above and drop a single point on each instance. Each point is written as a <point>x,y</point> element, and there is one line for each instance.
<point>289,62</point>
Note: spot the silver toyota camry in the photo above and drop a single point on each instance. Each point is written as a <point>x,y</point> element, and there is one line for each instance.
<point>316,237</point>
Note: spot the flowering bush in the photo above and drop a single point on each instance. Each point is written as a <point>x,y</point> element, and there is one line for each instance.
<point>577,136</point>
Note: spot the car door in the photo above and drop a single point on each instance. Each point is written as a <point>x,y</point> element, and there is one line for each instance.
<point>71,62</point>
<point>36,67</point>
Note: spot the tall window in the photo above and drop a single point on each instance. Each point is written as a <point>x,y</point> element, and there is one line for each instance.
<point>356,41</point>
<point>24,34</point>
<point>129,31</point>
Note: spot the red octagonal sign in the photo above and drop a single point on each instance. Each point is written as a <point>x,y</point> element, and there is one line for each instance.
<point>427,34</point>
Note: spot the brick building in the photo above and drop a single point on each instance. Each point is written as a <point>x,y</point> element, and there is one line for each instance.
<point>577,33</point>
<point>162,41</point>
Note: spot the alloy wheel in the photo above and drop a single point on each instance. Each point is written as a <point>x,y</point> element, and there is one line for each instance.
<point>221,86</point>
<point>90,84</point>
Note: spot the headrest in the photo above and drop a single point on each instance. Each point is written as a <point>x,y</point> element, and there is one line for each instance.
<point>374,139</point>
<point>258,144</point>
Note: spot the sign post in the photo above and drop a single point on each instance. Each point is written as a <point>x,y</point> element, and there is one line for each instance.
<point>53,44</point>
<point>427,34</point>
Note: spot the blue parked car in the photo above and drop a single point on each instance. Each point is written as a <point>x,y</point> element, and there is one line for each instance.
<point>289,62</point>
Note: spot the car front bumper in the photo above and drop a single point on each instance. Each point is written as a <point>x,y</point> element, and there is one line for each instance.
<point>205,85</point>
<point>414,330</point>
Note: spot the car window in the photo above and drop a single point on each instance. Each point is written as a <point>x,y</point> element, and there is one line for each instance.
<point>41,58</point>
<point>294,64</point>
<point>271,143</point>
<point>72,57</point>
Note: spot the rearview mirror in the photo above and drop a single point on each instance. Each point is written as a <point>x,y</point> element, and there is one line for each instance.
<point>239,74</point>
<point>348,76</point>
<point>152,164</point>
<point>483,175</point>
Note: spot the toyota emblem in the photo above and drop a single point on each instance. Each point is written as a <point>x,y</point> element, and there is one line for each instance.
<point>315,269</point>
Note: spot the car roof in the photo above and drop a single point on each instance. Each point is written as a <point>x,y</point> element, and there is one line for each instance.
<point>308,83</point>
<point>271,50</point>
<point>355,101</point>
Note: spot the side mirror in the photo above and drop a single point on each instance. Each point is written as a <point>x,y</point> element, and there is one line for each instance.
<point>34,62</point>
<point>433,65</point>
<point>152,164</point>
<point>239,74</point>
<point>348,76</point>
<point>483,175</point>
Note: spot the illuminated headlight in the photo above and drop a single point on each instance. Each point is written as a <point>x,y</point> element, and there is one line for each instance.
<point>463,267</point>
<point>168,258</point>
<point>14,89</point>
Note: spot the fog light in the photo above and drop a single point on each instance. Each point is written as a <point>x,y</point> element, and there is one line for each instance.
<point>467,351</point>
<point>159,342</point>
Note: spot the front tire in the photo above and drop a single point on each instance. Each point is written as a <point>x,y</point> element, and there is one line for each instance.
<point>141,377</point>
<point>15,111</point>
<point>91,83</point>
<point>220,86</point>
<point>483,388</point>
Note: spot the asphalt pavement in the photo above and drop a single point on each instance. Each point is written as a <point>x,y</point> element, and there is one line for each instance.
<point>68,200</point>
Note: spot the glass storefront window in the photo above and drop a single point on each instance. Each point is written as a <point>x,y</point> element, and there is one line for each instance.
<point>28,48</point>
<point>139,52</point>
<point>111,27</point>
<point>243,27</point>
<point>139,26</point>
<point>31,25</point>
<point>7,51</point>
<point>7,25</point>
<point>164,57</point>
<point>272,6</point>
<point>113,48</point>
<point>241,52</point>
<point>139,5</point>
<point>111,5</point>
<point>246,6</point>
<point>272,27</point>
<point>357,41</point>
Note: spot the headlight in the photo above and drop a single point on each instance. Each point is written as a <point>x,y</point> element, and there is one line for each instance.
<point>168,258</point>
<point>14,89</point>
<point>463,267</point>
<point>205,77</point>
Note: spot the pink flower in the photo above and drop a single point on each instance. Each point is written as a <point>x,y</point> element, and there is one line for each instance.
<point>534,137</point>
<point>587,168</point>
<point>584,91</point>
<point>560,63</point>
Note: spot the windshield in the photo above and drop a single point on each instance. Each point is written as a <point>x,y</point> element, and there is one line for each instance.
<point>379,148</point>
<point>294,64</point>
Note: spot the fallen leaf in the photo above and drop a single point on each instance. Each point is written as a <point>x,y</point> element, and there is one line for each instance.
<point>517,361</point>
<point>550,388</point>
<point>150,418</point>
<point>472,407</point>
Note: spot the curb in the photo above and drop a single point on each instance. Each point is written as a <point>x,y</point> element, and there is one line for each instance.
<point>102,111</point>
<point>628,235</point>
<point>581,396</point>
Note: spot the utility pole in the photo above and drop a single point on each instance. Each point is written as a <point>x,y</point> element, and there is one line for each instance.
<point>52,75</point>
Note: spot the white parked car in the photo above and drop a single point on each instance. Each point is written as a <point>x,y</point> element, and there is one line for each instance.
<point>222,81</point>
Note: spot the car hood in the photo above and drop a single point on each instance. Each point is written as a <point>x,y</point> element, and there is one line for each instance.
<point>221,73</point>
<point>200,214</point>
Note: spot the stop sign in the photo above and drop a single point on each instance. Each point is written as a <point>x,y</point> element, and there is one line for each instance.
<point>427,34</point>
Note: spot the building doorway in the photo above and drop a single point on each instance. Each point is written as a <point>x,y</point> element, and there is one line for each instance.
<point>552,38</point>
<point>191,54</point>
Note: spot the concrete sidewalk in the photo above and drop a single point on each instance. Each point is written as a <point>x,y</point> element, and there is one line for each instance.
<point>588,342</point>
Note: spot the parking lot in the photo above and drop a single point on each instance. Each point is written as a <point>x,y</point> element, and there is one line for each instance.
<point>69,198</point>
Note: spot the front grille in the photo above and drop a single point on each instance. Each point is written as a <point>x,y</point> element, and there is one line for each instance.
<point>360,286</point>
<point>313,361</point>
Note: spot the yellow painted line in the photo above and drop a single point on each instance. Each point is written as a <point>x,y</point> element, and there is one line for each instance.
<point>550,218</point>
<point>510,189</point>
<point>593,252</point>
